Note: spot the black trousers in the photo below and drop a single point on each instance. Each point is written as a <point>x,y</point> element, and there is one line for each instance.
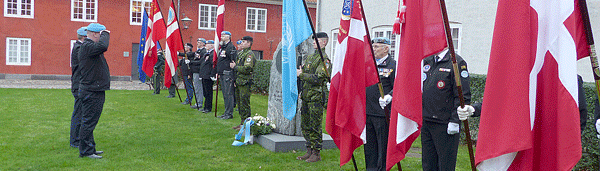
<point>376,146</point>
<point>207,90</point>
<point>75,121</point>
<point>439,148</point>
<point>228,92</point>
<point>92,105</point>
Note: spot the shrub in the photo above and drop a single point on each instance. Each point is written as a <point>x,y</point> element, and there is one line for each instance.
<point>260,76</point>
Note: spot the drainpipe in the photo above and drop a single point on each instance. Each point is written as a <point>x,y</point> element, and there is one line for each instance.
<point>318,23</point>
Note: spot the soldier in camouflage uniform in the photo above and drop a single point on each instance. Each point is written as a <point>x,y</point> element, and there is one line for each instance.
<point>244,65</point>
<point>314,75</point>
<point>157,77</point>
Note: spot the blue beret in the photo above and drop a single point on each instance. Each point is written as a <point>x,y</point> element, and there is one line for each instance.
<point>226,32</point>
<point>202,40</point>
<point>210,42</point>
<point>95,27</point>
<point>383,40</point>
<point>81,31</point>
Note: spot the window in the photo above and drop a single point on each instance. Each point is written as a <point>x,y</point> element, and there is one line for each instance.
<point>256,19</point>
<point>84,10</point>
<point>18,8</point>
<point>136,11</point>
<point>18,51</point>
<point>333,43</point>
<point>456,35</point>
<point>71,50</point>
<point>208,16</point>
<point>386,31</point>
<point>258,54</point>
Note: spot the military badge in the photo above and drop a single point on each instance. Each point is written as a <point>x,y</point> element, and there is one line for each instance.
<point>464,74</point>
<point>441,84</point>
<point>426,68</point>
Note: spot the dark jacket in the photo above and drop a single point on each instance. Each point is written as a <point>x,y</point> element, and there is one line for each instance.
<point>387,74</point>
<point>197,60</point>
<point>230,55</point>
<point>206,68</point>
<point>440,97</point>
<point>75,69</point>
<point>583,112</point>
<point>95,75</point>
<point>185,68</point>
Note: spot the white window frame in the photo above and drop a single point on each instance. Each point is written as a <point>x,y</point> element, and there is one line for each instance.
<point>19,62</point>
<point>212,9</point>
<point>334,38</point>
<point>70,54</point>
<point>256,19</point>
<point>457,46</point>
<point>84,9</point>
<point>141,12</point>
<point>386,31</point>
<point>19,10</point>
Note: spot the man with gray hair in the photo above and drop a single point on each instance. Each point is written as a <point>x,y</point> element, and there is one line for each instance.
<point>95,79</point>
<point>75,76</point>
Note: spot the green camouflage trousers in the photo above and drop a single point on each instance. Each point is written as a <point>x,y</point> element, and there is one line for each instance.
<point>312,117</point>
<point>243,92</point>
<point>157,79</point>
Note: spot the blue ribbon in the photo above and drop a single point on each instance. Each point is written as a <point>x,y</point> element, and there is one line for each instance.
<point>244,131</point>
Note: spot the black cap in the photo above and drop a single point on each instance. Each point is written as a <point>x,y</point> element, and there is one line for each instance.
<point>190,45</point>
<point>248,38</point>
<point>321,35</point>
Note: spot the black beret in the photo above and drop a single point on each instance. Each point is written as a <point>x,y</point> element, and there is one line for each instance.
<point>248,38</point>
<point>190,45</point>
<point>321,35</point>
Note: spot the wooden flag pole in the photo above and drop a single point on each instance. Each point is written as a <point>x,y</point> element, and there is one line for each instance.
<point>381,94</point>
<point>457,81</point>
<point>590,40</point>
<point>217,96</point>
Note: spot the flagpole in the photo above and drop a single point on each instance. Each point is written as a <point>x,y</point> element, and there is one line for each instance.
<point>312,27</point>
<point>381,94</point>
<point>217,95</point>
<point>457,81</point>
<point>185,58</point>
<point>590,40</point>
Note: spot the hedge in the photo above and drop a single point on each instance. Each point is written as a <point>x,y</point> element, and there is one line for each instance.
<point>590,153</point>
<point>260,76</point>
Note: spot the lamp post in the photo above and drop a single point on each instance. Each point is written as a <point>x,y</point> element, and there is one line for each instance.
<point>186,24</point>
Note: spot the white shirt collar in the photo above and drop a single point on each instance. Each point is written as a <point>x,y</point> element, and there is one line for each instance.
<point>379,61</point>
<point>441,55</point>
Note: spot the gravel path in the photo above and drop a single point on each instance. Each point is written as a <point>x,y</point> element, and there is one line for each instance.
<point>66,84</point>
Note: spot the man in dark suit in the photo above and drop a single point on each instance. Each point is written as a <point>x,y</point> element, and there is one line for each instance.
<point>227,54</point>
<point>195,68</point>
<point>208,75</point>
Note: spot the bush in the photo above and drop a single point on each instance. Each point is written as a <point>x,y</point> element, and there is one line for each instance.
<point>260,76</point>
<point>589,141</point>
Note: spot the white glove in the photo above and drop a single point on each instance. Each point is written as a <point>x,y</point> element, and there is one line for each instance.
<point>213,78</point>
<point>464,113</point>
<point>598,127</point>
<point>387,99</point>
<point>328,85</point>
<point>187,61</point>
<point>453,128</point>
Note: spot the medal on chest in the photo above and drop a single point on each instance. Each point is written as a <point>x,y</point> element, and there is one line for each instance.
<point>441,84</point>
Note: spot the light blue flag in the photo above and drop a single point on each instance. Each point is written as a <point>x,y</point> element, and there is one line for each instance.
<point>295,29</point>
<point>140,58</point>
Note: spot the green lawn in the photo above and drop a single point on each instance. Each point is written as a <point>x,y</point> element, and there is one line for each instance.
<point>140,131</point>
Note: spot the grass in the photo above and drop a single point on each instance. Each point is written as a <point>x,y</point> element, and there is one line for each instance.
<point>140,131</point>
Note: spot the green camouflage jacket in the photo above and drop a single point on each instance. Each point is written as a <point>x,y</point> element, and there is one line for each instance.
<point>244,66</point>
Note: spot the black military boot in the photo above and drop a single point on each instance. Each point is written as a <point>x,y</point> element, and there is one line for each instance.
<point>305,156</point>
<point>314,157</point>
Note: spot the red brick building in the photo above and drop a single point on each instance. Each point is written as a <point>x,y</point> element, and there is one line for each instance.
<point>38,34</point>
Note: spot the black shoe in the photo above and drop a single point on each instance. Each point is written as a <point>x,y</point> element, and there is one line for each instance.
<point>99,152</point>
<point>185,103</point>
<point>226,117</point>
<point>170,96</point>
<point>195,106</point>
<point>206,110</point>
<point>93,156</point>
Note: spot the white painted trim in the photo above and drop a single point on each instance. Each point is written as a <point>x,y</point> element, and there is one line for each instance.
<point>210,17</point>
<point>256,19</point>
<point>84,20</point>
<point>28,63</point>
<point>19,10</point>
